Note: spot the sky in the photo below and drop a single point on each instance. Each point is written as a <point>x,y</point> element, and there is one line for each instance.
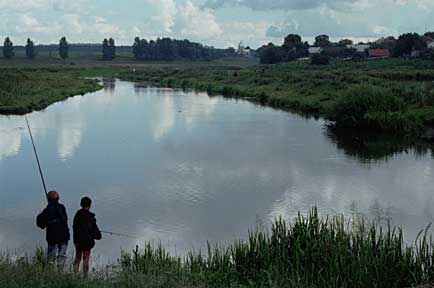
<point>218,23</point>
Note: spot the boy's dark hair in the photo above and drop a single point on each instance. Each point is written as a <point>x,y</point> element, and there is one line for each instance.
<point>52,197</point>
<point>85,202</point>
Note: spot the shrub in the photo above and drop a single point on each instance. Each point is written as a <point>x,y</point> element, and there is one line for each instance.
<point>372,107</point>
<point>320,59</point>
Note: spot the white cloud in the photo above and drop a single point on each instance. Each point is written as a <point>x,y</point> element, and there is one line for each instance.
<point>165,119</point>
<point>165,13</point>
<point>263,5</point>
<point>248,32</point>
<point>26,23</point>
<point>73,23</point>
<point>10,143</point>
<point>69,5</point>
<point>195,22</point>
<point>382,30</point>
<point>183,19</point>
<point>427,5</point>
<point>101,25</point>
<point>22,5</point>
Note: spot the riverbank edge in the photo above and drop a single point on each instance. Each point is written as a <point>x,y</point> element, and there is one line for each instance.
<point>410,126</point>
<point>418,128</point>
<point>80,87</point>
<point>421,135</point>
<point>310,251</point>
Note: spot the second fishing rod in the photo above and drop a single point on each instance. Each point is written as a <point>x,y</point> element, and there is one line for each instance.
<point>41,174</point>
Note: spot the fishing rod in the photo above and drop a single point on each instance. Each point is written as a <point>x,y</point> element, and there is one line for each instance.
<point>43,179</point>
<point>117,234</point>
<point>37,158</point>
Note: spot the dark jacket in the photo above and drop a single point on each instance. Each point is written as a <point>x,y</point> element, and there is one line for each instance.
<point>55,220</point>
<point>85,230</point>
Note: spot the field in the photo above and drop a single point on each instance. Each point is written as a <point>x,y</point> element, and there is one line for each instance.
<point>310,252</point>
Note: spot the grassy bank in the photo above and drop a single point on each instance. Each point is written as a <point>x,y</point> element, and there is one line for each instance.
<point>390,96</point>
<point>26,90</point>
<point>393,97</point>
<point>310,252</point>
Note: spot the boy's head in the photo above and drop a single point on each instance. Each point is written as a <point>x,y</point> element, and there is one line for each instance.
<point>85,203</point>
<point>53,197</point>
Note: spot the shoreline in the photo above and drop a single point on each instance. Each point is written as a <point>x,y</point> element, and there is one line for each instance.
<point>311,251</point>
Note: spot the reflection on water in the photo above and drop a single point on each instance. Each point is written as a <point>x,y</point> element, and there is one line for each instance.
<point>183,168</point>
<point>368,148</point>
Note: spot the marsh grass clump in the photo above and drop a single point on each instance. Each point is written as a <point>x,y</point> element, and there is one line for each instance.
<point>311,252</point>
<point>378,109</point>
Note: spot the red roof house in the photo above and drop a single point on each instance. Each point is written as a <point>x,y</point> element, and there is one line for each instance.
<point>379,53</point>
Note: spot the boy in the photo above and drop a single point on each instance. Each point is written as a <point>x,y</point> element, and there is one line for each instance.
<point>55,220</point>
<point>85,233</point>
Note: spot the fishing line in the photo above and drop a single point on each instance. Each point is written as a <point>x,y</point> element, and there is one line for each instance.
<point>43,179</point>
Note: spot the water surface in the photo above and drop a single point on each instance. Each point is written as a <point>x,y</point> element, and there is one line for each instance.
<point>183,168</point>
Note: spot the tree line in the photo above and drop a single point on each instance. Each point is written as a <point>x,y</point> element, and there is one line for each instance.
<point>160,49</point>
<point>171,49</point>
<point>294,48</point>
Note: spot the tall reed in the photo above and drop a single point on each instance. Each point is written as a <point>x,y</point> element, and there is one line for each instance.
<point>311,252</point>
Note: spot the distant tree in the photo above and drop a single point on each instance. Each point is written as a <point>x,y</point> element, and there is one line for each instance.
<point>63,48</point>
<point>407,42</point>
<point>322,41</point>
<point>136,48</point>
<point>108,49</point>
<point>294,48</point>
<point>429,34</point>
<point>30,49</point>
<point>271,54</point>
<point>170,49</point>
<point>292,41</point>
<point>105,50</point>
<point>112,48</point>
<point>345,42</point>
<point>8,48</point>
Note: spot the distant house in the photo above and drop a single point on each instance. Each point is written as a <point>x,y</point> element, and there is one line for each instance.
<point>360,48</point>
<point>315,50</point>
<point>245,52</point>
<point>430,45</point>
<point>378,53</point>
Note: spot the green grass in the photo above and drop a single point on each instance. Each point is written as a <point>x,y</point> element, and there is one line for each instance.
<point>310,252</point>
<point>24,91</point>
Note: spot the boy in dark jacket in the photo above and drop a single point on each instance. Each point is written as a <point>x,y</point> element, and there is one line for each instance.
<point>55,220</point>
<point>85,233</point>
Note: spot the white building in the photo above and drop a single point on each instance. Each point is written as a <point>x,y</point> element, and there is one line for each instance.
<point>315,50</point>
<point>360,48</point>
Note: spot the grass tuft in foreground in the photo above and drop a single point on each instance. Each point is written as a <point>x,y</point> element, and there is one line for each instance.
<point>311,252</point>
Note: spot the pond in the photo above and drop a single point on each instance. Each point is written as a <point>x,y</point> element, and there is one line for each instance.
<point>182,168</point>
